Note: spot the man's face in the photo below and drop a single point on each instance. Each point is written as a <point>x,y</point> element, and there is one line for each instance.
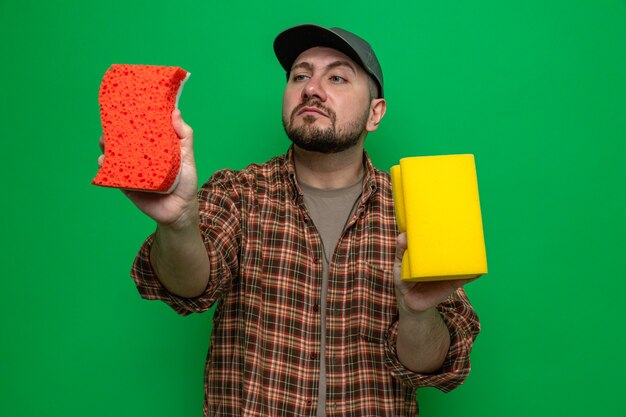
<point>326,103</point>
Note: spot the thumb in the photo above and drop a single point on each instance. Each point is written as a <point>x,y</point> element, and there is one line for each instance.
<point>185,134</point>
<point>397,264</point>
<point>401,247</point>
<point>182,129</point>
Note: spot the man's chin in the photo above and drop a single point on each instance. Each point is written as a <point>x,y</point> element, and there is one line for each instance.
<point>314,148</point>
<point>313,139</point>
<point>321,147</point>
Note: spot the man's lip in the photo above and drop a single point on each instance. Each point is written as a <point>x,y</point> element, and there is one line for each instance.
<point>309,109</point>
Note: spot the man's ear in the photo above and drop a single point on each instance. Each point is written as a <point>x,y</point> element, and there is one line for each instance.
<point>378,107</point>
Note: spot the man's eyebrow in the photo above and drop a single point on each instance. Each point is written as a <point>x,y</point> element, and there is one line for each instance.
<point>304,65</point>
<point>308,66</point>
<point>341,64</point>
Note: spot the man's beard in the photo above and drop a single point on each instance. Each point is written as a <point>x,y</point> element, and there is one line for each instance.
<point>329,140</point>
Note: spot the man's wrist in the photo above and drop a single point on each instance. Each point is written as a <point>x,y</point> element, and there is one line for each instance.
<point>188,221</point>
<point>411,316</point>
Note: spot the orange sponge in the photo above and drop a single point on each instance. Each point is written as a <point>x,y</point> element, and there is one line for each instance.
<point>141,148</point>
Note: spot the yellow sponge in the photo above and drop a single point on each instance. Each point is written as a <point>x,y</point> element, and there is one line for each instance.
<point>437,205</point>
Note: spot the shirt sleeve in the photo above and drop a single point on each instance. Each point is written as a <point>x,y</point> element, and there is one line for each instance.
<point>464,326</point>
<point>220,230</point>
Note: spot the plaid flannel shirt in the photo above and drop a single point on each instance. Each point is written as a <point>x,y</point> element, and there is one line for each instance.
<point>266,276</point>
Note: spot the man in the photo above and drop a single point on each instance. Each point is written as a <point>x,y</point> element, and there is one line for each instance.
<point>302,256</point>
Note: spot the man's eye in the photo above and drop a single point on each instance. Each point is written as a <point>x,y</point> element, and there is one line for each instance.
<point>337,79</point>
<point>299,77</point>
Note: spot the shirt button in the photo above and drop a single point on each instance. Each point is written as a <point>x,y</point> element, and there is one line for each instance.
<point>316,308</point>
<point>313,356</point>
<point>316,260</point>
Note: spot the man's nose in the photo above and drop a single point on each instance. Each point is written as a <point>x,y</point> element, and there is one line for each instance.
<point>314,89</point>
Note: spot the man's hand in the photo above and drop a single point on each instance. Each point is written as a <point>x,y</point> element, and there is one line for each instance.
<point>417,297</point>
<point>180,208</point>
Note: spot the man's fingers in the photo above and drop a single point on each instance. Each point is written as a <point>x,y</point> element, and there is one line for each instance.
<point>101,157</point>
<point>461,282</point>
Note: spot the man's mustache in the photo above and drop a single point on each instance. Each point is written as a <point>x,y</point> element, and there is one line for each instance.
<point>316,104</point>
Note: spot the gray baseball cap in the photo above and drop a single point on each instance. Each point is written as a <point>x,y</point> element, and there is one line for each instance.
<point>290,43</point>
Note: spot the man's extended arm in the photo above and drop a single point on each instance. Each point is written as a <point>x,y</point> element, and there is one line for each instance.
<point>423,341</point>
<point>178,255</point>
<point>423,337</point>
<point>179,258</point>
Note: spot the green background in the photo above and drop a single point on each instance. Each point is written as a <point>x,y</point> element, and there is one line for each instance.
<point>536,89</point>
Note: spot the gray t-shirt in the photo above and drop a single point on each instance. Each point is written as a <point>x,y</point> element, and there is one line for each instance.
<point>330,211</point>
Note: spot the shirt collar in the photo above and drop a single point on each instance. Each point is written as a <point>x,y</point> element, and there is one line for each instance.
<point>369,179</point>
